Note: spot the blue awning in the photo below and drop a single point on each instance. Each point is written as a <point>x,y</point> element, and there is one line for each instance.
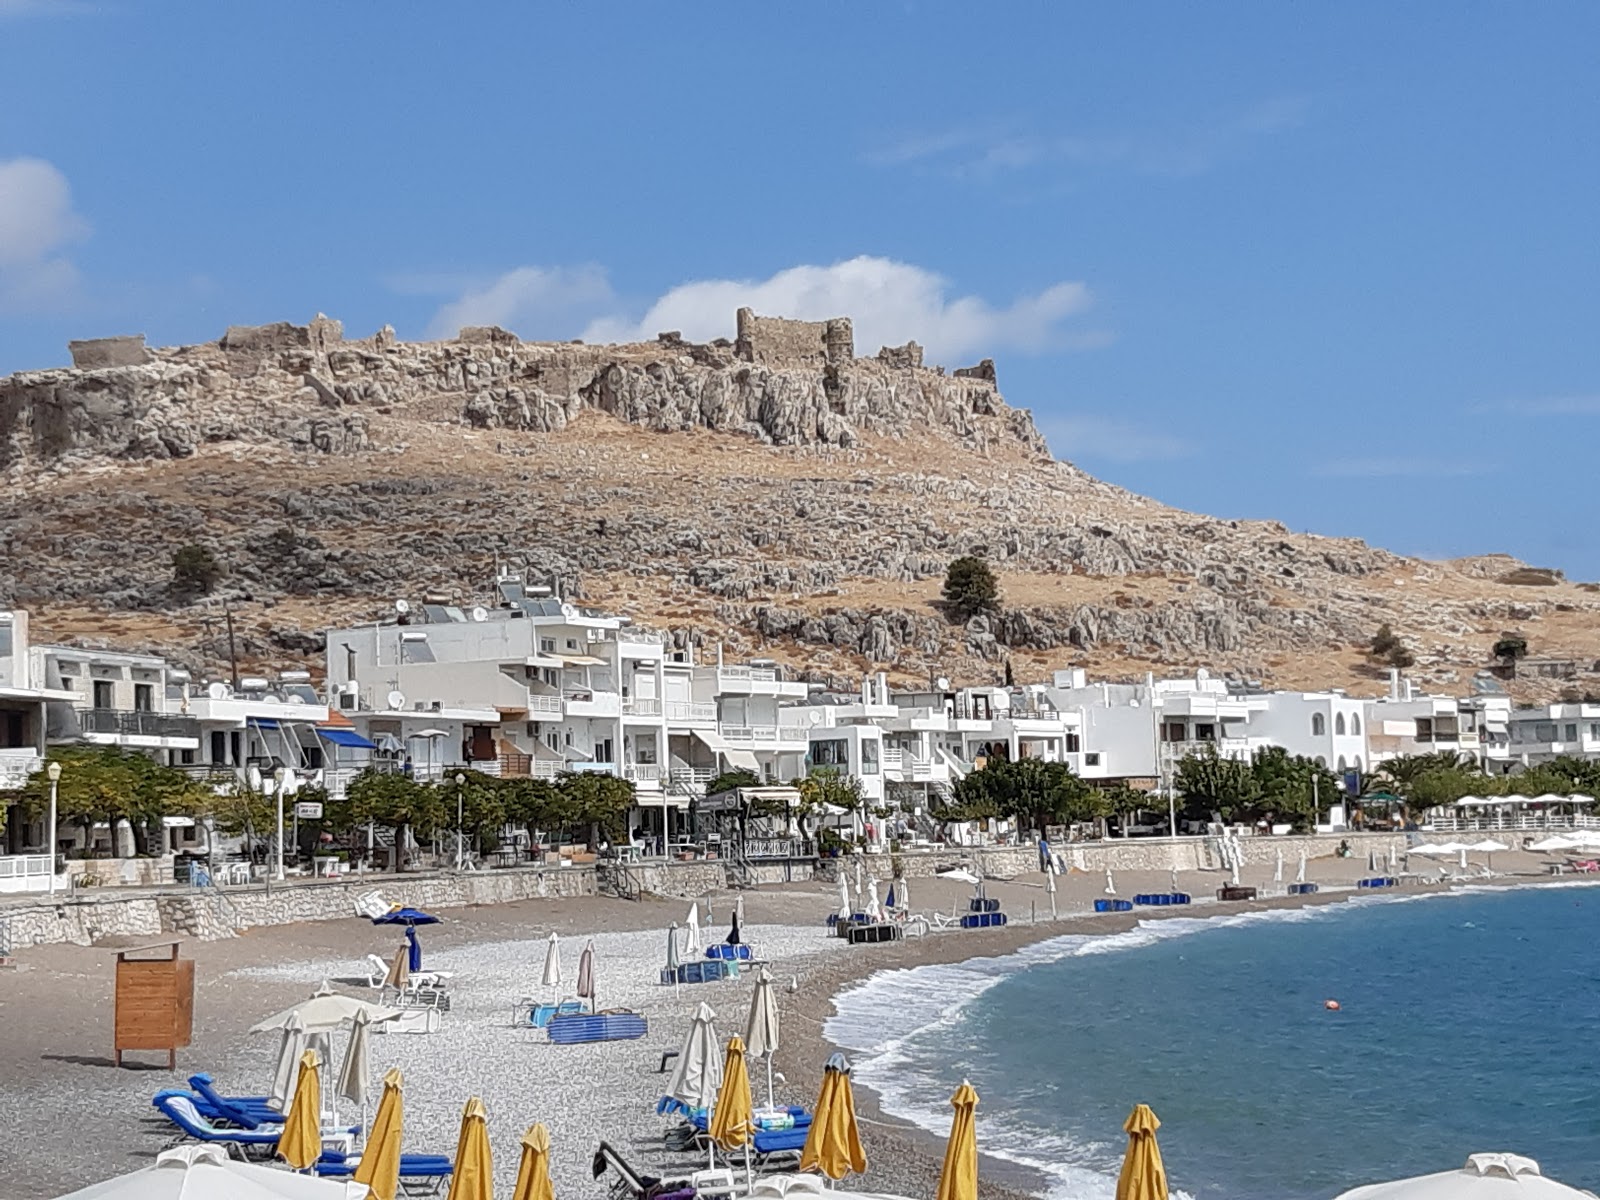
<point>261,722</point>
<point>346,737</point>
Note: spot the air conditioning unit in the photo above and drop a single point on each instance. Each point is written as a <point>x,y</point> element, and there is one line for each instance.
<point>349,701</point>
<point>437,705</point>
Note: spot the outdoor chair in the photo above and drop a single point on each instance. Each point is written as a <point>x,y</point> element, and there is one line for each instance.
<point>247,1112</point>
<point>631,1185</point>
<point>261,1142</point>
<point>420,1174</point>
<point>379,971</point>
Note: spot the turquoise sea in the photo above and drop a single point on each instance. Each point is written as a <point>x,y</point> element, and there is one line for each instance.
<point>1468,1021</point>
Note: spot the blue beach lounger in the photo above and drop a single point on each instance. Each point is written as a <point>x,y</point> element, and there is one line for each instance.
<point>420,1174</point>
<point>247,1112</point>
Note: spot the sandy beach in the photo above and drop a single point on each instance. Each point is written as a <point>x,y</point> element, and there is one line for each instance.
<point>55,1022</point>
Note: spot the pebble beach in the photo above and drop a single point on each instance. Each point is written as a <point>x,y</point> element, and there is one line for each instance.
<point>55,1024</point>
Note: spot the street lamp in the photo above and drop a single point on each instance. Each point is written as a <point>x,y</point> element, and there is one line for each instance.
<point>282,777</point>
<point>461,793</point>
<point>54,771</point>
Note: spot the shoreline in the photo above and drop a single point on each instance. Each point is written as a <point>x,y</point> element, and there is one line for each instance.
<point>913,1153</point>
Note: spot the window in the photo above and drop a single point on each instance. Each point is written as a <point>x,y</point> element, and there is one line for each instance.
<point>869,756</point>
<point>144,697</point>
<point>1338,725</point>
<point>1355,723</point>
<point>572,643</point>
<point>1075,743</point>
<point>1572,733</point>
<point>1174,731</point>
<point>547,645</point>
<point>834,752</point>
<point>104,695</point>
<point>1092,759</point>
<point>1205,733</point>
<point>1594,730</point>
<point>1318,725</point>
<point>1544,731</point>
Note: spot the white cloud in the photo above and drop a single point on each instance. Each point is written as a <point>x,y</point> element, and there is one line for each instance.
<point>1080,437</point>
<point>36,223</point>
<point>534,302</point>
<point>890,303</point>
<point>985,151</point>
<point>1397,468</point>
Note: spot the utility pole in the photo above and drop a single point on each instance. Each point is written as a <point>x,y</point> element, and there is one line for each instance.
<point>233,653</point>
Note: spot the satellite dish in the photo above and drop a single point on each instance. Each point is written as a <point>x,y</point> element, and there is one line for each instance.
<point>217,691</point>
<point>942,684</point>
<point>480,613</point>
<point>402,607</point>
<point>253,777</point>
<point>291,698</point>
<point>568,610</point>
<point>397,699</point>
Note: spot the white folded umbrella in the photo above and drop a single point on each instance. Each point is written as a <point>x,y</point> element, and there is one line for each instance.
<point>1485,1177</point>
<point>207,1173</point>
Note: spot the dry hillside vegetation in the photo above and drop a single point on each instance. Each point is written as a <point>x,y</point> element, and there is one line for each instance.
<point>801,510</point>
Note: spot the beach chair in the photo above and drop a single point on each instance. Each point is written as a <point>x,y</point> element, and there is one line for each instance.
<point>630,1185</point>
<point>378,971</point>
<point>420,1174</point>
<point>260,1142</point>
<point>245,1112</point>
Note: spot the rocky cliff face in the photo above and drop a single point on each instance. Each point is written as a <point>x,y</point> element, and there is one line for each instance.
<point>787,497</point>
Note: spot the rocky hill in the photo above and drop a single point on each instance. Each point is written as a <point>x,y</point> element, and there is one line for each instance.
<point>773,492</point>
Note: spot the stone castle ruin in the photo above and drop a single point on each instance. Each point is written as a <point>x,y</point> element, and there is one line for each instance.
<point>783,382</point>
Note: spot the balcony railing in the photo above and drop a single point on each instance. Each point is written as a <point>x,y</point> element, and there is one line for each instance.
<point>690,781</point>
<point>753,674</point>
<point>642,772</point>
<point>749,735</point>
<point>538,702</point>
<point>145,724</point>
<point>689,712</point>
<point>635,706</point>
<point>526,766</point>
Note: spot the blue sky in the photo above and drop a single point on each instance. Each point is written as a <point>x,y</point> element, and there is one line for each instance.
<point>1330,264</point>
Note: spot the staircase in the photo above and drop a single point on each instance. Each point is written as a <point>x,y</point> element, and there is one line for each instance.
<point>614,878</point>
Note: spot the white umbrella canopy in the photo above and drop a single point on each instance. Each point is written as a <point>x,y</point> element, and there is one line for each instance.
<point>207,1173</point>
<point>325,1010</point>
<point>1277,867</point>
<point>1556,841</point>
<point>761,1026</point>
<point>355,1073</point>
<point>698,1074</point>
<point>1513,798</point>
<point>286,1072</point>
<point>691,932</point>
<point>1579,798</point>
<point>1111,884</point>
<point>1549,798</point>
<point>1485,1177</point>
<point>960,875</point>
<point>552,962</point>
<point>1429,850</point>
<point>1585,839</point>
<point>874,908</point>
<point>844,897</point>
<point>1488,846</point>
<point>1300,873</point>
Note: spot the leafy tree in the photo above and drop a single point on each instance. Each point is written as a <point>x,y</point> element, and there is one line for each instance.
<point>1210,783</point>
<point>1427,781</point>
<point>1510,648</point>
<point>195,569</point>
<point>1029,790</point>
<point>970,588</point>
<point>729,780</point>
<point>1386,646</point>
<point>1292,785</point>
<point>825,787</point>
<point>483,807</point>
<point>397,801</point>
<point>599,801</point>
<point>107,785</point>
<point>532,804</point>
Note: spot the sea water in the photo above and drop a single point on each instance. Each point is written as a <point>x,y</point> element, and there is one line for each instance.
<point>1467,1022</point>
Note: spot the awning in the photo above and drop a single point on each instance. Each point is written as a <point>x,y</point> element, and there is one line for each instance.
<point>346,737</point>
<point>743,759</point>
<point>711,738</point>
<point>262,722</point>
<point>581,660</point>
<point>542,660</point>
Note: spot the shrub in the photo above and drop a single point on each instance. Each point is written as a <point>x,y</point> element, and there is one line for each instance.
<point>970,588</point>
<point>195,569</point>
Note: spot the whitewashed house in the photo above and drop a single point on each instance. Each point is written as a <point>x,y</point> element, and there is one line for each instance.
<point>24,719</point>
<point>1537,735</point>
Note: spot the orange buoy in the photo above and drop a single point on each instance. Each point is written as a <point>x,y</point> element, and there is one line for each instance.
<point>1331,1005</point>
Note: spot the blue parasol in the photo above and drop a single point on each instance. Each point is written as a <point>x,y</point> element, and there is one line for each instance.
<point>889,900</point>
<point>410,918</point>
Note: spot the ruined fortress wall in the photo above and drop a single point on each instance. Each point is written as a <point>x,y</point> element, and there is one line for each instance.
<point>96,354</point>
<point>777,341</point>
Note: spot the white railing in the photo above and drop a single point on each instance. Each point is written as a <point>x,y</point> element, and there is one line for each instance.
<point>753,674</point>
<point>891,757</point>
<point>748,735</point>
<point>683,710</point>
<point>642,772</point>
<point>1527,822</point>
<point>641,707</point>
<point>640,637</point>
<point>25,872</point>
<point>17,765</point>
<point>539,702</point>
<point>691,779</point>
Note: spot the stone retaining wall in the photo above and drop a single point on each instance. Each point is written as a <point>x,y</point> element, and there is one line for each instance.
<point>211,913</point>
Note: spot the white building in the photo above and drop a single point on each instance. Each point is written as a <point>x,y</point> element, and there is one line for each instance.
<point>1538,735</point>
<point>1329,728</point>
<point>24,722</point>
<point>136,702</point>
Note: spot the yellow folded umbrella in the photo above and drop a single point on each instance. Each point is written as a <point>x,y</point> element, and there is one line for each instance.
<point>379,1167</point>
<point>473,1176</point>
<point>1143,1175</point>
<point>959,1178</point>
<point>533,1175</point>
<point>731,1118</point>
<point>300,1144</point>
<point>833,1145</point>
